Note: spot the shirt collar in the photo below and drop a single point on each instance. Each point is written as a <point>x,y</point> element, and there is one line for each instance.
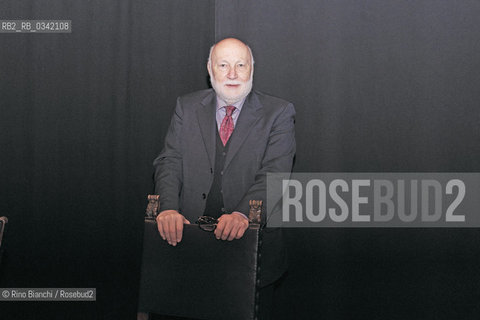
<point>238,105</point>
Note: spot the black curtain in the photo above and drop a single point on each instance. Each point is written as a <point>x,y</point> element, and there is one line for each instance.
<point>83,115</point>
<point>378,86</point>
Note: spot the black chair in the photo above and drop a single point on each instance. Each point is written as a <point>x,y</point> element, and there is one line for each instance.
<point>3,222</point>
<point>200,278</point>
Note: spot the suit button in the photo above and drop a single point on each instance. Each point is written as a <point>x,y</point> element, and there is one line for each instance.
<point>221,172</point>
<point>204,196</point>
<point>224,154</point>
<point>221,190</point>
<point>223,209</point>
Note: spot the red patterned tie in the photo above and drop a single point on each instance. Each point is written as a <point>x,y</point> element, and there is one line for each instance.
<point>226,128</point>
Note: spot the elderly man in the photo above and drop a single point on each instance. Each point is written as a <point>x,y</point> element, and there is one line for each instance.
<point>218,149</point>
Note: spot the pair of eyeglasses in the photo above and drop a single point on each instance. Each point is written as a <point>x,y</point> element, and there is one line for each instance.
<point>207,223</point>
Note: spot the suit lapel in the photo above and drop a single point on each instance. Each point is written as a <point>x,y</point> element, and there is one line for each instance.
<point>207,122</point>
<point>249,115</point>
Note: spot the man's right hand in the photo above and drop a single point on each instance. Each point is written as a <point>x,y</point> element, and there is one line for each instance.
<point>170,226</point>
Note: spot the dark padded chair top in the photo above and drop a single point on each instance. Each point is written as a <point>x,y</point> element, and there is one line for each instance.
<point>201,278</point>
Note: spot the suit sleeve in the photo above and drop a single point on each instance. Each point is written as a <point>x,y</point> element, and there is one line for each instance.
<point>168,165</point>
<point>278,157</point>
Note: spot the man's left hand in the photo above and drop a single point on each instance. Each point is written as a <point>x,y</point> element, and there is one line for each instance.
<point>231,226</point>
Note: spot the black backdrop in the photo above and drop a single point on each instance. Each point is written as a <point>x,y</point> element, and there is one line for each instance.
<point>378,86</point>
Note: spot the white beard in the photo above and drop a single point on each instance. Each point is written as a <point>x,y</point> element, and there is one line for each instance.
<point>231,99</point>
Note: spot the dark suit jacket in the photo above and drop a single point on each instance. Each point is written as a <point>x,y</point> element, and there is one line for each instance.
<point>263,141</point>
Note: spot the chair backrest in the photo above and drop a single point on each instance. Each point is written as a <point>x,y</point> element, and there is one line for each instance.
<point>200,278</point>
<point>3,222</point>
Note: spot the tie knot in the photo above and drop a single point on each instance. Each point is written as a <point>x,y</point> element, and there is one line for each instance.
<point>229,110</point>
